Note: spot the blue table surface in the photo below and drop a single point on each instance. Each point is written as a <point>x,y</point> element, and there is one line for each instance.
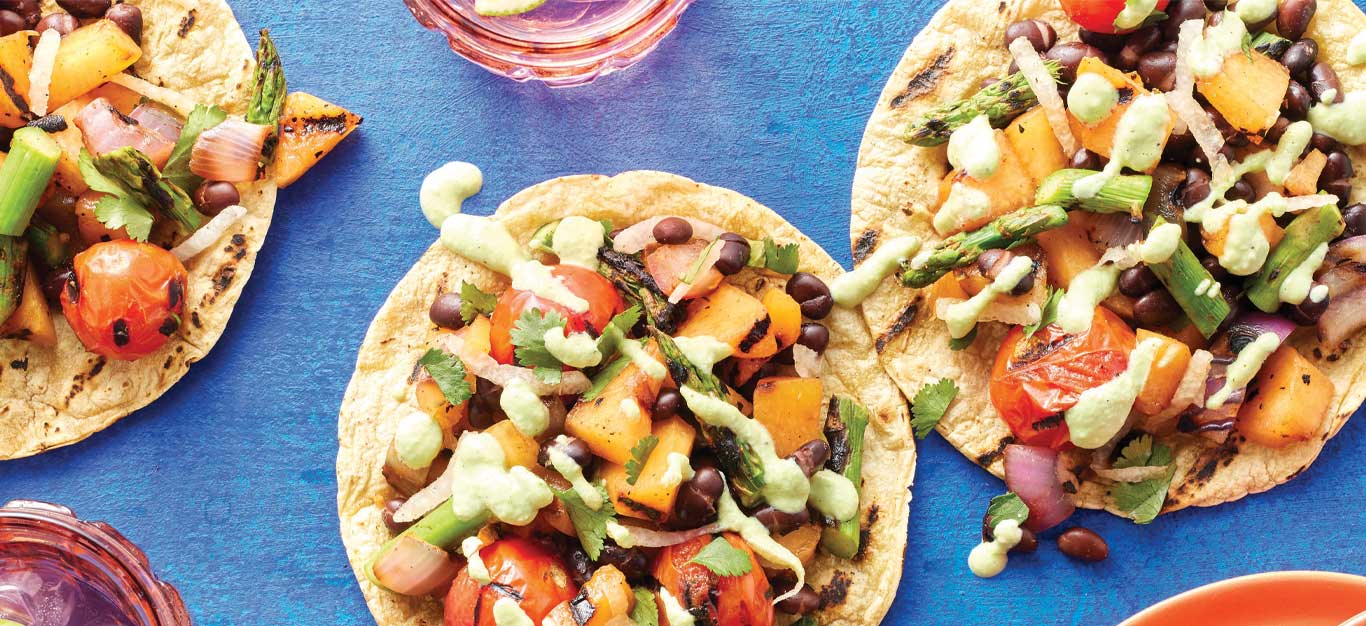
<point>227,481</point>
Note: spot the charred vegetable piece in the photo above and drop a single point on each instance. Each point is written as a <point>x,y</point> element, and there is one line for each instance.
<point>32,321</point>
<point>790,408</point>
<point>16,60</point>
<point>1302,236</point>
<point>125,298</point>
<point>604,598</point>
<point>639,288</point>
<point>177,168</point>
<point>1184,276</point>
<point>1122,194</point>
<point>13,264</point>
<point>1001,101</point>
<point>1169,365</point>
<point>309,129</point>
<point>268,90</point>
<point>24,176</point>
<point>732,316</point>
<point>651,497</point>
<point>601,423</point>
<point>1006,190</point>
<point>136,173</point>
<point>1271,45</point>
<point>1290,400</point>
<point>440,528</point>
<point>50,245</point>
<point>845,426</point>
<point>1036,145</point>
<point>1248,91</point>
<point>89,57</point>
<point>1009,230</point>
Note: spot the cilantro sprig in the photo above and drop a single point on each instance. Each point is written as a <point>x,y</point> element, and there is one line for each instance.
<point>640,453</point>
<point>118,209</point>
<point>1049,314</point>
<point>449,374</point>
<point>646,611</point>
<point>1143,500</point>
<point>930,404</point>
<point>528,338</point>
<point>723,559</point>
<point>782,259</point>
<point>589,524</point>
<point>475,302</point>
<point>1006,506</point>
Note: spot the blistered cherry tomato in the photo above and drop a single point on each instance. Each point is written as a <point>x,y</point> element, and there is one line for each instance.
<point>538,579</point>
<point>124,298</point>
<point>743,600</point>
<point>1098,16</point>
<point>1035,379</point>
<point>602,297</point>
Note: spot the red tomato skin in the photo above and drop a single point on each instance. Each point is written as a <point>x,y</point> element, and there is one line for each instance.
<point>1031,383</point>
<point>739,600</point>
<point>603,303</point>
<point>127,298</point>
<point>1098,16</point>
<point>516,564</point>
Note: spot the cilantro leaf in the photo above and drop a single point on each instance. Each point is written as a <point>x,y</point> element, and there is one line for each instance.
<point>177,168</point>
<point>117,212</point>
<point>449,374</point>
<point>646,612</point>
<point>1006,506</point>
<point>1135,453</point>
<point>475,302</point>
<point>1143,500</point>
<point>528,336</point>
<point>626,320</point>
<point>640,453</point>
<point>929,405</point>
<point>782,259</point>
<point>590,525</point>
<point>1050,312</point>
<point>603,377</point>
<point>96,180</point>
<point>962,343</point>
<point>616,330</point>
<point>723,559</point>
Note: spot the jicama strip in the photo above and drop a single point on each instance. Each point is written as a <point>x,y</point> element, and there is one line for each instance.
<point>1046,90</point>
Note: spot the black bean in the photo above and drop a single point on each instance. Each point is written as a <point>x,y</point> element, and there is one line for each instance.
<point>1211,265</point>
<point>669,403</point>
<point>805,601</point>
<point>1355,218</point>
<point>672,230</point>
<point>1156,308</point>
<point>1137,281</point>
<point>1108,42</point>
<point>734,257</point>
<point>811,457</point>
<point>1084,544</point>
<point>128,18</point>
<point>631,561</point>
<point>1308,312</point>
<point>1179,147</point>
<point>1178,12</point>
<point>1024,286</point>
<point>11,22</point>
<point>1300,56</point>
<point>1196,187</point>
<point>1322,78</point>
<point>1029,542</point>
<point>1323,143</point>
<point>445,311</point>
<point>1340,188</point>
<point>812,293</point>
<point>85,9</point>
<point>1277,130</point>
<point>1296,103</point>
<point>1338,167</point>
<point>573,447</point>
<point>1069,55</point>
<point>27,9</point>
<point>778,522</point>
<point>390,508</point>
<point>1216,5</point>
<point>696,503</point>
<point>212,196</point>
<point>1138,43</point>
<point>1039,33</point>
<point>60,22</point>
<point>989,259</point>
<point>814,335</point>
<point>1293,17</point>
<point>57,279</point>
<point>1085,160</point>
<point>1242,190</point>
<point>1158,70</point>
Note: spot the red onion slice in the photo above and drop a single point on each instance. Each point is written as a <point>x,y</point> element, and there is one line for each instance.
<point>686,290</point>
<point>485,367</point>
<point>647,538</point>
<point>414,567</point>
<point>229,151</point>
<point>1349,249</point>
<point>1031,472</point>
<point>157,120</point>
<point>1345,316</point>
<point>105,130</point>
<point>640,235</point>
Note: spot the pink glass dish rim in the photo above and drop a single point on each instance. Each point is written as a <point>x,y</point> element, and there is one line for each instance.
<point>555,64</point>
<point>128,563</point>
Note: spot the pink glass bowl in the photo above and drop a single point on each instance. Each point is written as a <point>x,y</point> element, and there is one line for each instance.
<point>95,554</point>
<point>562,43</point>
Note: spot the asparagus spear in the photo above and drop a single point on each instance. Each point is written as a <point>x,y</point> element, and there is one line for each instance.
<point>13,257</point>
<point>48,243</point>
<point>1001,101</point>
<point>134,171</point>
<point>1009,230</point>
<point>632,279</point>
<point>1270,45</point>
<point>24,176</point>
<point>1186,279</point>
<point>1302,236</point>
<point>440,528</point>
<point>844,428</point>
<point>1122,194</point>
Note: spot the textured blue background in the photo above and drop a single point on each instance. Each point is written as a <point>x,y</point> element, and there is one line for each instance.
<point>227,481</point>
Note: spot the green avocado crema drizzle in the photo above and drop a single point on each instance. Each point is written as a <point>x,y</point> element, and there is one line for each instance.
<point>1078,304</point>
<point>524,408</point>
<point>483,485</point>
<point>446,188</point>
<point>730,517</point>
<point>417,440</point>
<point>703,351</point>
<point>470,547</point>
<point>1253,11</point>
<point>972,148</point>
<point>785,485</point>
<point>576,241</point>
<point>576,349</point>
<point>482,240</point>
<point>508,612</point>
<point>1356,50</point>
<point>1215,44</point>
<point>1133,14</point>
<point>1092,98</point>
<point>1344,121</point>
<point>1100,412</point>
<point>1244,367</point>
<point>572,472</point>
<point>1139,137</point>
<point>1246,245</point>
<point>989,558</point>
<point>1300,282</point>
<point>961,317</point>
<point>852,288</point>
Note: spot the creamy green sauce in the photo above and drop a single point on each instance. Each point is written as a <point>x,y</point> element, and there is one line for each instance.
<point>973,149</point>
<point>785,485</point>
<point>1287,153</point>
<point>483,484</point>
<point>620,534</point>
<point>1245,245</point>
<point>1356,50</point>
<point>852,288</point>
<point>673,611</point>
<point>1161,243</point>
<point>1318,293</point>
<point>446,188</point>
<point>633,349</point>
<point>961,317</point>
<point>524,408</point>
<point>1253,11</point>
<point>1245,367</point>
<point>576,241</point>
<point>1078,304</point>
<point>963,205</point>
<point>1216,44</point>
<point>678,468</point>
<point>629,409</point>
<point>834,495</point>
<point>572,472</point>
<point>479,572</point>
<point>483,241</point>
<point>576,349</point>
<point>537,278</point>
<point>1345,121</point>
<point>730,517</point>
<point>703,351</point>
<point>1092,98</point>
<point>1139,137</point>
<point>1208,288</point>
<point>507,612</point>
<point>417,440</point>
<point>1133,14</point>
<point>1300,281</point>
<point>1100,412</point>
<point>1220,185</point>
<point>989,558</point>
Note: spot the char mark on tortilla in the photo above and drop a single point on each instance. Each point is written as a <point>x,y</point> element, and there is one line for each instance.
<point>925,80</point>
<point>903,321</point>
<point>865,245</point>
